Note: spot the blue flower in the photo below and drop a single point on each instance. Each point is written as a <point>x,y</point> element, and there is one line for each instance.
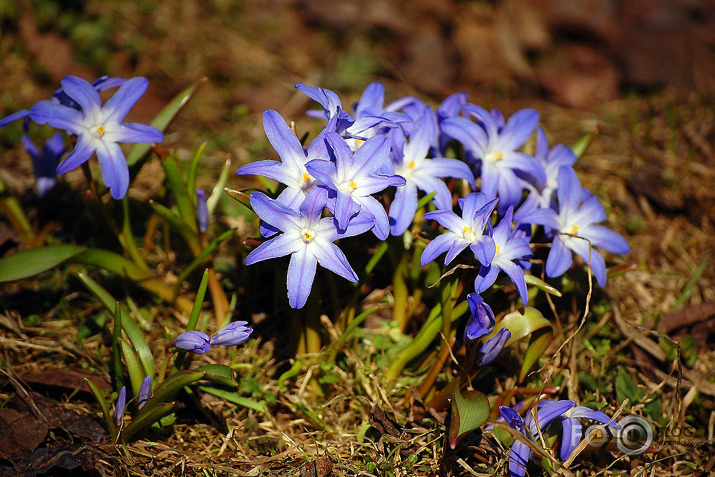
<point>291,170</point>
<point>233,334</point>
<point>462,232</point>
<point>551,160</point>
<point>548,411</point>
<point>493,145</point>
<point>120,405</point>
<point>575,230</point>
<point>44,164</point>
<point>420,172</point>
<point>193,341</point>
<point>98,128</point>
<point>480,324</point>
<point>307,238</point>
<point>352,178</point>
<point>510,251</point>
<point>369,119</point>
<point>60,97</point>
<point>202,211</point>
<point>144,392</point>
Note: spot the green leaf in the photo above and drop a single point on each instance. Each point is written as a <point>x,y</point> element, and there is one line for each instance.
<point>218,189</point>
<point>134,367</point>
<point>191,179</point>
<point>184,198</point>
<point>166,390</point>
<point>164,118</point>
<point>218,373</point>
<point>540,340</point>
<point>130,327</point>
<point>236,399</point>
<point>469,411</point>
<point>626,388</point>
<point>27,263</point>
<point>177,224</point>
<point>104,405</point>
<point>205,253</point>
<point>541,285</point>
<point>520,324</point>
<point>148,416</point>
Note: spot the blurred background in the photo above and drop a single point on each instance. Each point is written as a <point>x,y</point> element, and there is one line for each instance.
<point>575,53</point>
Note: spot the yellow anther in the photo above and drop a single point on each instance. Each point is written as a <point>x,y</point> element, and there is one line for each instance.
<point>573,230</point>
<point>308,235</point>
<point>306,176</point>
<point>411,165</point>
<point>496,250</point>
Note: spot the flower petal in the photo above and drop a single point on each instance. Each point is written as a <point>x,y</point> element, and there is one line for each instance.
<point>115,172</point>
<point>118,106</point>
<point>301,273</point>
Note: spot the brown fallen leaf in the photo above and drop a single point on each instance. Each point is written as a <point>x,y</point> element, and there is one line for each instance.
<point>320,467</point>
<point>20,434</point>
<point>383,423</point>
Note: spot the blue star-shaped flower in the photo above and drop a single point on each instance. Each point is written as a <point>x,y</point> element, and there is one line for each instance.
<point>44,163</point>
<point>308,238</point>
<point>290,170</point>
<point>462,232</point>
<point>352,178</point>
<point>98,128</point>
<point>494,145</point>
<point>575,230</point>
<point>510,252</point>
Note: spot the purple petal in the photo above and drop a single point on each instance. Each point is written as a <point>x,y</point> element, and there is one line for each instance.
<point>301,273</point>
<point>115,172</point>
<point>559,259</point>
<point>83,93</point>
<point>569,190</point>
<point>14,117</point>
<point>81,153</point>
<point>137,133</point>
<point>57,116</point>
<point>571,436</point>
<point>519,456</point>
<point>124,99</point>
<point>283,139</point>
<point>605,238</point>
<point>280,246</point>
<point>484,250</point>
<point>518,129</point>
<point>403,208</point>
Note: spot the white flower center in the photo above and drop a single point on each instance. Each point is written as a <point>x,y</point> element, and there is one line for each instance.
<point>348,187</point>
<point>308,235</point>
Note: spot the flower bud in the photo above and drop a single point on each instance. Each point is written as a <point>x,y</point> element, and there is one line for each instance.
<point>194,341</point>
<point>202,211</point>
<point>233,334</point>
<point>144,392</point>
<point>120,405</point>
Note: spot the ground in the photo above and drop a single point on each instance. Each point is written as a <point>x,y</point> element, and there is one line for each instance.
<point>640,78</point>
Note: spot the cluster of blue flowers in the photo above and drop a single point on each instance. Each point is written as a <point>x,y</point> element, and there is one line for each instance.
<point>403,145</point>
<point>77,109</point>
<point>566,412</point>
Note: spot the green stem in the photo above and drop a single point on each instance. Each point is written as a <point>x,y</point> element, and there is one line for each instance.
<point>312,324</point>
<point>126,237</point>
<point>424,338</point>
<point>400,292</point>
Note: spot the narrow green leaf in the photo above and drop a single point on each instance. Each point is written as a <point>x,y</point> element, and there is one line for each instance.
<point>193,166</point>
<point>27,263</point>
<point>205,254</point>
<point>179,225</point>
<point>469,411</point>
<point>134,367</point>
<point>541,285</point>
<point>166,390</point>
<point>116,350</point>
<point>194,317</point>
<point>236,399</point>
<point>164,118</point>
<point>215,196</point>
<point>218,373</point>
<point>540,340</point>
<point>581,145</point>
<point>147,417</point>
<point>184,198</point>
<point>104,406</point>
<point>130,327</point>
<point>688,289</point>
<point>239,196</point>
